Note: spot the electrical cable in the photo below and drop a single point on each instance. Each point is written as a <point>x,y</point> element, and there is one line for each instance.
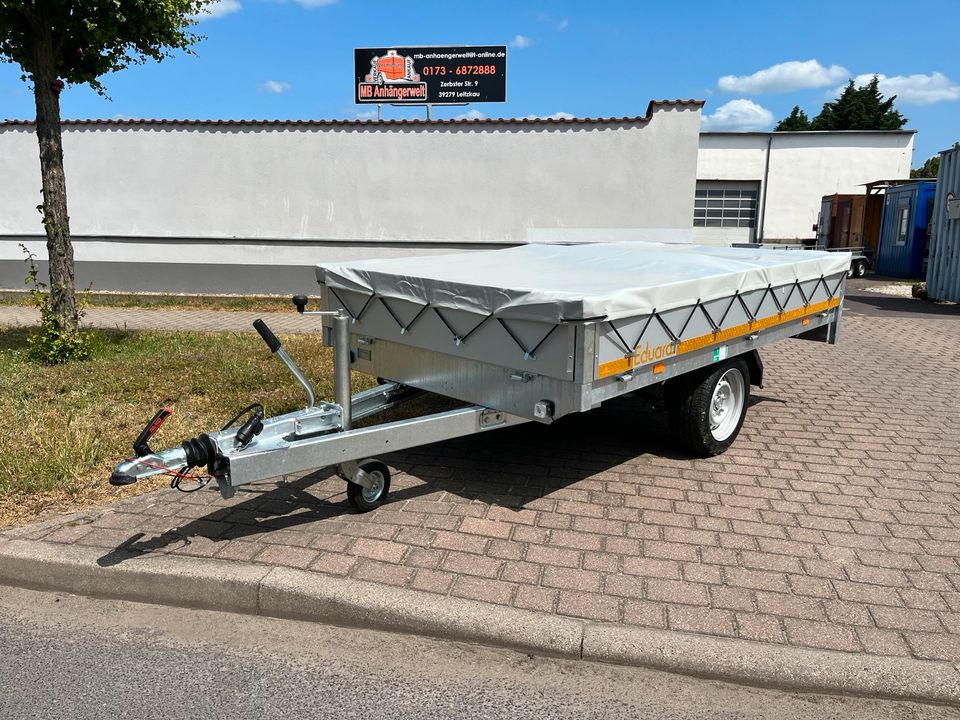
<point>183,474</point>
<point>247,409</point>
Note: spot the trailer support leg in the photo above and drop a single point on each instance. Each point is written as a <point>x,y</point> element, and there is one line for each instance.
<point>341,367</point>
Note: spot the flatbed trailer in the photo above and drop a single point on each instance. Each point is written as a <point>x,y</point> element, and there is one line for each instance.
<point>527,334</point>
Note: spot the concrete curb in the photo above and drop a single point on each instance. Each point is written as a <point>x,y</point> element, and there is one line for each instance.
<point>302,595</point>
<point>161,579</point>
<point>779,666</point>
<point>296,594</point>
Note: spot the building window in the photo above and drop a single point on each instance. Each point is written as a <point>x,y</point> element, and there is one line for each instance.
<point>903,224</point>
<point>725,207</point>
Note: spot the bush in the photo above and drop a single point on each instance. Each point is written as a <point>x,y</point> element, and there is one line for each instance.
<point>52,344</point>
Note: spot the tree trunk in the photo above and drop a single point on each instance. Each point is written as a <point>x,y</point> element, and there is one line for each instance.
<point>56,221</point>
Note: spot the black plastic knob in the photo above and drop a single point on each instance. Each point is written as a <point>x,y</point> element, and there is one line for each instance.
<point>301,302</point>
<point>268,337</point>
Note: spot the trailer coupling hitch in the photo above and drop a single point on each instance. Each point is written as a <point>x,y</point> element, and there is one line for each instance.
<point>212,450</point>
<point>192,453</point>
<point>141,446</point>
<point>202,450</point>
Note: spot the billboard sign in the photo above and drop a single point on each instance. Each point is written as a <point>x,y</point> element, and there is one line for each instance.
<point>434,75</point>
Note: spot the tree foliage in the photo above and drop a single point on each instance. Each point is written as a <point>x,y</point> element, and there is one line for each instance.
<point>857,108</point>
<point>796,120</point>
<point>91,38</point>
<point>931,168</point>
<point>74,42</point>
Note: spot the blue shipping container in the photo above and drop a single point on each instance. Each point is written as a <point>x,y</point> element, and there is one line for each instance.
<point>903,230</point>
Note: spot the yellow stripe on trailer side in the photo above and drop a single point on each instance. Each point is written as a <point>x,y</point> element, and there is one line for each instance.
<point>621,365</point>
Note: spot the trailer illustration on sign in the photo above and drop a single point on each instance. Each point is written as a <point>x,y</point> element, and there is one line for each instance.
<point>392,68</point>
<point>431,75</point>
<point>392,79</point>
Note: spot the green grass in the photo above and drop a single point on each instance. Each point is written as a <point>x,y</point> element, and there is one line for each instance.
<point>63,428</point>
<point>253,303</point>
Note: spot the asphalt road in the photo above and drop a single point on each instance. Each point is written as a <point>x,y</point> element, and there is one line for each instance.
<point>63,656</point>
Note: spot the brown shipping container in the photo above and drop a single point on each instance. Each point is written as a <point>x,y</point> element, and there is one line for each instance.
<point>855,220</point>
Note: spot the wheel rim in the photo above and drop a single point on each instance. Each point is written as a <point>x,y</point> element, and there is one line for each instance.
<point>726,405</point>
<point>372,494</point>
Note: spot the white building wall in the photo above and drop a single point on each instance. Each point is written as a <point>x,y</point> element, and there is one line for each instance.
<point>288,194</point>
<point>803,167</point>
<point>181,200</point>
<point>729,156</point>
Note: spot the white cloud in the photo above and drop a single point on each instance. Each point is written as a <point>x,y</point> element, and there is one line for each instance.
<point>556,116</point>
<point>520,42</point>
<point>742,115</point>
<point>548,19</point>
<point>274,87</point>
<point>218,9</point>
<point>912,89</point>
<point>470,115</point>
<point>366,115</point>
<point>784,77</point>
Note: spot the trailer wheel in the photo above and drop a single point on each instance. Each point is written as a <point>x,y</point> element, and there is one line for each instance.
<point>707,410</point>
<point>366,499</point>
<point>859,268</point>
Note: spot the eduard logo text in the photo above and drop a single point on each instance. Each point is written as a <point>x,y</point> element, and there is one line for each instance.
<point>652,354</point>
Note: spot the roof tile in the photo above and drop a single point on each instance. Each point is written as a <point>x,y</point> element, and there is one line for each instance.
<point>362,123</point>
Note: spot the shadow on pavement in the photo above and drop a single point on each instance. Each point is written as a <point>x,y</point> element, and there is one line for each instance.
<point>288,505</point>
<point>509,468</point>
<point>877,305</point>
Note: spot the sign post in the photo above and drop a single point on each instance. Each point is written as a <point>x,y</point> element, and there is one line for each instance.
<point>428,76</point>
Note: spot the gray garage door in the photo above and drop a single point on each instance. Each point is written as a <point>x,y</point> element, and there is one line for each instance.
<point>725,212</point>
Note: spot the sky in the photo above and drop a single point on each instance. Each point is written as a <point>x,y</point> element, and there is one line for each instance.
<point>750,61</point>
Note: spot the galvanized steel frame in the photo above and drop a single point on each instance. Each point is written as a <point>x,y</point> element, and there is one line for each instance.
<point>514,386</point>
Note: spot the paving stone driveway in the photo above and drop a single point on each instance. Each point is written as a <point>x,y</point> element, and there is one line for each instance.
<point>163,319</point>
<point>833,522</point>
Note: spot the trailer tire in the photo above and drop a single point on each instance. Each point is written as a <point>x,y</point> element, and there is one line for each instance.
<point>707,409</point>
<point>859,268</point>
<point>367,499</point>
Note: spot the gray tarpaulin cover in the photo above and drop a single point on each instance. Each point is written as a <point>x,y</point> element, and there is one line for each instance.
<point>553,283</point>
